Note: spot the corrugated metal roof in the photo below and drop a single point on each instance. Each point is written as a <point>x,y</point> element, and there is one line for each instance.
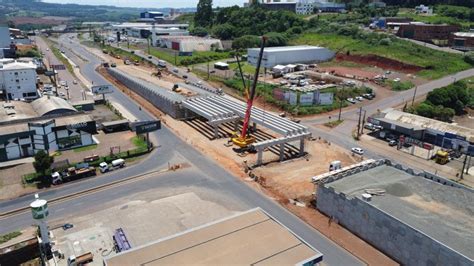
<point>47,105</point>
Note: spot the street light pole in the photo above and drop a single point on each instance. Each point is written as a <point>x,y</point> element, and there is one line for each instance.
<point>340,104</point>
<point>414,95</point>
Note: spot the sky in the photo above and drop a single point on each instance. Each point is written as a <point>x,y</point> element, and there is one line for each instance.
<point>149,3</point>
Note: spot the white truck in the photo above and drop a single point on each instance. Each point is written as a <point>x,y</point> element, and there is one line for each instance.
<point>161,63</point>
<point>118,163</point>
<point>335,165</point>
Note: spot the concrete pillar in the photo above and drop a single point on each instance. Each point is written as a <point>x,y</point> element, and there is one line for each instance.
<point>301,146</point>
<point>216,132</point>
<point>259,157</point>
<point>282,152</point>
<point>254,127</point>
<point>236,125</point>
<point>412,149</point>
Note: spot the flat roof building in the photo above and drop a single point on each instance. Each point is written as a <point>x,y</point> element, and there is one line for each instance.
<point>432,131</point>
<point>18,79</point>
<point>462,41</point>
<point>249,238</point>
<point>417,219</point>
<point>285,55</point>
<point>187,44</point>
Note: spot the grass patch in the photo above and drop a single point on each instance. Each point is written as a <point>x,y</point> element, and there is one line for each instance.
<point>139,142</point>
<point>333,124</point>
<point>436,63</point>
<point>196,58</point>
<point>85,148</point>
<point>401,85</point>
<point>6,237</point>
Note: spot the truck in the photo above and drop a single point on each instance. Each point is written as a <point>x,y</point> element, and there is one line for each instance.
<point>118,163</point>
<point>80,260</point>
<point>335,165</point>
<point>72,174</point>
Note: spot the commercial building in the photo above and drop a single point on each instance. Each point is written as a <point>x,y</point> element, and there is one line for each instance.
<point>304,7</point>
<point>48,123</point>
<point>152,15</point>
<point>427,32</point>
<point>249,238</point>
<point>18,79</point>
<point>186,45</point>
<point>144,29</point>
<point>426,130</point>
<point>5,39</point>
<point>416,219</point>
<point>462,41</point>
<point>284,55</point>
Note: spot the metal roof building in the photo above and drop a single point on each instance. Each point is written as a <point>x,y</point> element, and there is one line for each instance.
<point>249,238</point>
<point>52,105</point>
<point>417,219</point>
<point>284,55</point>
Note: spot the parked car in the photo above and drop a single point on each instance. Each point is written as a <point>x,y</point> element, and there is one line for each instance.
<point>378,127</point>
<point>368,96</point>
<point>392,143</point>
<point>357,150</point>
<point>369,126</point>
<point>175,70</point>
<point>359,98</point>
<point>74,82</point>
<point>351,100</point>
<point>185,76</point>
<point>113,65</point>
<point>150,57</point>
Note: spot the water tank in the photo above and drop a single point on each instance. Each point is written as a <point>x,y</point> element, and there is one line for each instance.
<point>39,208</point>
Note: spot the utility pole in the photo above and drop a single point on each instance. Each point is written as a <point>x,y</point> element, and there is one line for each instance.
<point>414,95</point>
<point>363,123</point>
<point>463,166</point>
<point>358,124</point>
<point>148,42</point>
<point>340,104</point>
<point>208,73</point>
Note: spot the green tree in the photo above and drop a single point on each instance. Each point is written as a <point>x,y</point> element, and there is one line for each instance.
<point>276,39</point>
<point>247,41</point>
<point>204,13</point>
<point>425,109</point>
<point>42,162</point>
<point>199,31</point>
<point>224,31</point>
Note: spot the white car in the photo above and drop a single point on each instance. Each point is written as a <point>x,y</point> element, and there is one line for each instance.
<point>61,94</point>
<point>74,82</point>
<point>175,70</point>
<point>357,150</point>
<point>63,83</point>
<point>351,100</point>
<point>359,98</point>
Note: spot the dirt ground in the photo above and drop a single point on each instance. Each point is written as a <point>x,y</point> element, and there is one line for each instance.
<point>216,150</point>
<point>292,179</point>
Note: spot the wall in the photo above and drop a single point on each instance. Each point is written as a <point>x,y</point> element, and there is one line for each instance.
<point>393,237</point>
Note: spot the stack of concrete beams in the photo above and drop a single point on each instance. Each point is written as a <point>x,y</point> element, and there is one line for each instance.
<point>165,100</point>
<point>214,113</point>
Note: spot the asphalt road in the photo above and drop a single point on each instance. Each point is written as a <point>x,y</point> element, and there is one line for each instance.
<point>203,173</point>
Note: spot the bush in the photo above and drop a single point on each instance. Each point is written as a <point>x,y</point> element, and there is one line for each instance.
<point>224,31</point>
<point>469,58</point>
<point>385,41</point>
<point>199,31</point>
<point>247,41</point>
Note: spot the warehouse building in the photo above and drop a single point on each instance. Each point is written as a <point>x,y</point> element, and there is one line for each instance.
<point>249,238</point>
<point>155,15</point>
<point>144,29</point>
<point>186,45</point>
<point>427,32</point>
<point>463,41</point>
<point>48,123</point>
<point>426,130</point>
<point>285,55</point>
<point>416,219</point>
<point>19,140</point>
<point>18,79</point>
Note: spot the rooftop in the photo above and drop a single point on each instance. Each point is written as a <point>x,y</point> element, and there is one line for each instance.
<point>442,212</point>
<point>60,121</point>
<point>13,65</point>
<point>464,34</point>
<point>250,238</point>
<point>423,122</point>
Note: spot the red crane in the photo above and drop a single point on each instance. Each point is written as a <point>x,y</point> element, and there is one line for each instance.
<point>244,140</point>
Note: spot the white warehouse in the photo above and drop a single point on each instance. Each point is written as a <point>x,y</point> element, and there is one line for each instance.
<point>284,55</point>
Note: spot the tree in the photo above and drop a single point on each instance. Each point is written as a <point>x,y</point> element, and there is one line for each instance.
<point>246,41</point>
<point>42,162</point>
<point>199,31</point>
<point>276,39</point>
<point>204,14</point>
<point>224,31</point>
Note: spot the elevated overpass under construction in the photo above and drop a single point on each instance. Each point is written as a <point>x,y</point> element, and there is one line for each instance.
<point>218,110</point>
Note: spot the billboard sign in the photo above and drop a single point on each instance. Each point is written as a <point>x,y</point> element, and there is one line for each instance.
<point>293,98</point>
<point>326,98</point>
<point>58,67</point>
<point>306,99</point>
<point>102,89</point>
<point>146,126</point>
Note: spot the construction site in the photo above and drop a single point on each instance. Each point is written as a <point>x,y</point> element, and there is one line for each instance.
<point>263,144</point>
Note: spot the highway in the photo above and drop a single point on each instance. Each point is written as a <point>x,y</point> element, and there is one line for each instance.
<point>203,173</point>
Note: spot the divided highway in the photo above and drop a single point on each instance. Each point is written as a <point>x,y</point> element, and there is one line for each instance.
<point>203,173</point>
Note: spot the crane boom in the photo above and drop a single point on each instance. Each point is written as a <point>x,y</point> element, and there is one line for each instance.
<point>243,140</point>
